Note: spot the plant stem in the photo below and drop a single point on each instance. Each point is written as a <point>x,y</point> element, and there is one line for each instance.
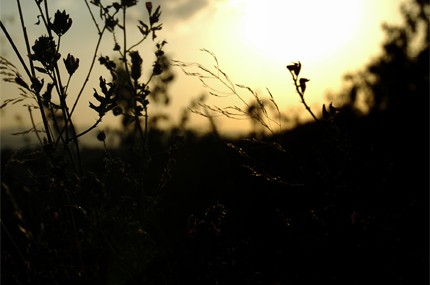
<point>34,125</point>
<point>302,97</point>
<point>87,78</point>
<point>90,128</point>
<point>38,98</point>
<point>21,255</point>
<point>24,32</point>
<point>42,15</point>
<point>92,17</point>
<point>56,77</point>
<point>136,44</point>
<point>15,49</point>
<point>137,126</point>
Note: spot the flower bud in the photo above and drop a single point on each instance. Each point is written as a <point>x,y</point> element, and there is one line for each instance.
<point>71,63</point>
<point>149,7</point>
<point>62,23</point>
<point>101,136</point>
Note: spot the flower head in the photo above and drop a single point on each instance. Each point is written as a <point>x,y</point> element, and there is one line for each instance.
<point>303,84</point>
<point>71,63</point>
<point>295,67</point>
<point>45,52</point>
<point>101,136</point>
<point>62,23</point>
<point>148,6</point>
<point>136,65</point>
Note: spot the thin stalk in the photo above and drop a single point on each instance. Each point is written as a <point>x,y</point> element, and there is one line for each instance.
<point>43,17</point>
<point>34,125</point>
<point>100,32</point>
<point>38,98</point>
<point>58,43</point>
<point>302,97</point>
<point>66,115</point>
<point>124,56</point>
<point>92,17</point>
<point>62,95</point>
<point>87,78</point>
<point>67,84</point>
<point>137,124</point>
<point>24,32</point>
<point>138,127</point>
<point>149,79</point>
<point>145,135</point>
<point>21,255</point>
<point>15,49</point>
<point>67,120</point>
<point>55,76</point>
<point>90,128</point>
<point>57,128</point>
<point>136,44</point>
<point>146,129</point>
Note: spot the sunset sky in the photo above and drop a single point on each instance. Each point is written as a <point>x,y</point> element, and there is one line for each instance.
<point>253,42</point>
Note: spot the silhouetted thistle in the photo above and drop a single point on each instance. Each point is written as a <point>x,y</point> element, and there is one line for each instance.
<point>45,51</point>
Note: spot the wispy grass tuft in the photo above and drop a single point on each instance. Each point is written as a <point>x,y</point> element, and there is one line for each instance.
<point>220,85</point>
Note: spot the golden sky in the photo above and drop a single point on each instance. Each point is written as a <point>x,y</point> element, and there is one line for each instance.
<point>253,42</point>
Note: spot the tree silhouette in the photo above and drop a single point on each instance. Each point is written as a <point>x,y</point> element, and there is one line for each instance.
<point>397,82</point>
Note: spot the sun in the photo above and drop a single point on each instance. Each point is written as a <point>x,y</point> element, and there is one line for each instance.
<point>306,29</point>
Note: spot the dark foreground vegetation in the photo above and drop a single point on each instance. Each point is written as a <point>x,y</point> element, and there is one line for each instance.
<point>339,200</point>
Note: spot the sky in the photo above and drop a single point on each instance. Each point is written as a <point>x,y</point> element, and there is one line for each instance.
<point>252,40</point>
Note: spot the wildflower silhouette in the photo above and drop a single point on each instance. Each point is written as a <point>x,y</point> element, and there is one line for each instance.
<point>300,85</point>
<point>62,23</point>
<point>71,64</point>
<point>45,51</point>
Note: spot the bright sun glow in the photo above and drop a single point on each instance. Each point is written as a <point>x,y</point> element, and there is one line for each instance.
<point>306,29</point>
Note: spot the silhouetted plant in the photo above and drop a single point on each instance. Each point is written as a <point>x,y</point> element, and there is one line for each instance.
<point>258,111</point>
<point>57,114</point>
<point>340,197</point>
<point>60,177</point>
<point>263,112</point>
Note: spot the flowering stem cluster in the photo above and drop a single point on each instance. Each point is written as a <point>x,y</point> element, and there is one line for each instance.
<point>45,82</point>
<point>300,84</point>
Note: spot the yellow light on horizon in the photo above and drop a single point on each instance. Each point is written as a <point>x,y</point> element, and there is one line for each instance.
<point>253,41</point>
